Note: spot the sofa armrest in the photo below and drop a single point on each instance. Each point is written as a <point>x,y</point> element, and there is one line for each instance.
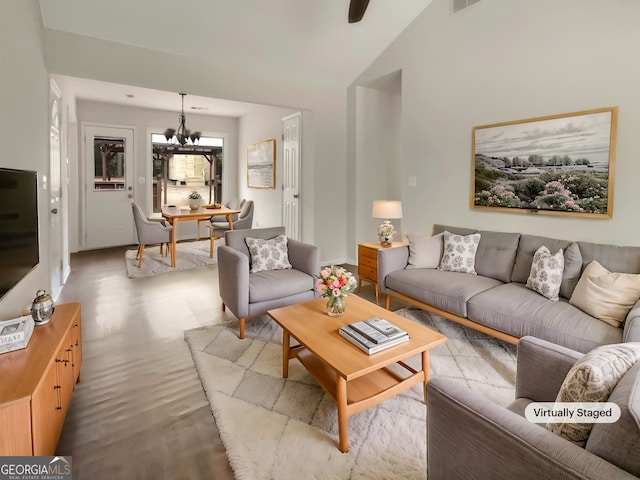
<point>542,367</point>
<point>470,437</point>
<point>390,260</point>
<point>233,280</point>
<point>631,332</point>
<point>304,257</point>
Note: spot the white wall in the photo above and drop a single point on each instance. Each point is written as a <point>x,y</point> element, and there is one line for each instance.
<point>503,60</point>
<point>141,119</point>
<point>24,96</point>
<point>264,123</point>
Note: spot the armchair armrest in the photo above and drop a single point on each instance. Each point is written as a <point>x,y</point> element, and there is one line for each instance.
<point>390,260</point>
<point>631,332</point>
<point>470,437</point>
<point>233,280</point>
<point>542,367</point>
<point>304,257</point>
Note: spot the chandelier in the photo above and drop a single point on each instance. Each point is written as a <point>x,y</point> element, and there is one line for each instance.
<point>183,135</point>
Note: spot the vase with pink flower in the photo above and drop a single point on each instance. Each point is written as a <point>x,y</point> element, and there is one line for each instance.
<point>335,283</point>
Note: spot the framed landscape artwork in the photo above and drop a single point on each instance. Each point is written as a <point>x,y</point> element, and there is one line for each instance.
<point>558,165</point>
<point>261,172</point>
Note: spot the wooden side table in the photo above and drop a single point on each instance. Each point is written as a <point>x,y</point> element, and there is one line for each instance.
<point>368,262</point>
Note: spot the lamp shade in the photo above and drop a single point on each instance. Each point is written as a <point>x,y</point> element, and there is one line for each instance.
<point>387,209</point>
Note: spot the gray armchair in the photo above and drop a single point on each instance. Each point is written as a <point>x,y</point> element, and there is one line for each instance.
<point>244,221</point>
<point>248,294</point>
<point>149,232</point>
<point>470,437</point>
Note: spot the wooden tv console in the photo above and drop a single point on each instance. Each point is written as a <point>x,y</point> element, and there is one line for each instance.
<point>36,384</point>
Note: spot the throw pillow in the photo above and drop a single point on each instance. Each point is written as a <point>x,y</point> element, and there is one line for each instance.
<point>546,273</point>
<point>592,379</point>
<point>425,251</point>
<point>270,254</point>
<point>605,295</point>
<point>459,253</point>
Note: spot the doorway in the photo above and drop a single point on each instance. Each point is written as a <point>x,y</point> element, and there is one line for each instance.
<point>109,166</point>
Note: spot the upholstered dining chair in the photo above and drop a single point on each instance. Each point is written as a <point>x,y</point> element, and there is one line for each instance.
<point>218,229</point>
<point>150,232</point>
<point>221,218</point>
<point>247,293</point>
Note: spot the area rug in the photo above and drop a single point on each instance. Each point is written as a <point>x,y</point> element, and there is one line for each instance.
<point>189,255</point>
<point>275,428</point>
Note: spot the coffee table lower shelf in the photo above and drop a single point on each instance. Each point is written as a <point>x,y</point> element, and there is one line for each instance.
<point>358,394</point>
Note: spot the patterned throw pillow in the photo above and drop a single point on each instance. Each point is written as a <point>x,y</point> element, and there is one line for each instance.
<point>546,273</point>
<point>592,379</point>
<point>459,254</point>
<point>268,254</point>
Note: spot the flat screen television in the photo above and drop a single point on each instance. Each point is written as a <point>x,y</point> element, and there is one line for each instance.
<point>19,253</point>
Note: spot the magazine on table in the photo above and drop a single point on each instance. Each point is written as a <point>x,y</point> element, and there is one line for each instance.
<point>371,339</point>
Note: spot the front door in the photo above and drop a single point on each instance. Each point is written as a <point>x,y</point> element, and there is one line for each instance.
<point>108,186</point>
<point>291,172</point>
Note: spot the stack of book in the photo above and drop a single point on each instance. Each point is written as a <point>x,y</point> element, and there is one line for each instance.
<point>373,335</point>
<point>15,333</point>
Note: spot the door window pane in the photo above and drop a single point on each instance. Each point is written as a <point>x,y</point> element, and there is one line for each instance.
<point>108,164</point>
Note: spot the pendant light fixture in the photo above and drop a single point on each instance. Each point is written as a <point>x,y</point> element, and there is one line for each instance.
<point>183,136</point>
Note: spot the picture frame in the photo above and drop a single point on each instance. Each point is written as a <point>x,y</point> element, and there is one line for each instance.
<point>554,165</point>
<point>261,171</point>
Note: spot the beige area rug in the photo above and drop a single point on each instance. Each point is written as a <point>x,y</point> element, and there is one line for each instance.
<point>189,255</point>
<point>274,428</point>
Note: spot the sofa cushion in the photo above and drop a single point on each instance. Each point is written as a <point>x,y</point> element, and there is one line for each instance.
<point>459,253</point>
<point>425,251</point>
<point>524,258</point>
<point>611,257</point>
<point>514,309</point>
<point>592,379</point>
<point>496,254</point>
<point>546,273</point>
<point>437,228</point>
<point>605,295</point>
<point>444,290</point>
<point>271,254</point>
<point>274,284</point>
<point>619,442</point>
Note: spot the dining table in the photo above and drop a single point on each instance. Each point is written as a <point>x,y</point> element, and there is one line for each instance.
<point>175,215</point>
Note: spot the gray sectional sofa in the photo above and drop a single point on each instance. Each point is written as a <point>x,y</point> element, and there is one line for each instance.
<point>496,300</point>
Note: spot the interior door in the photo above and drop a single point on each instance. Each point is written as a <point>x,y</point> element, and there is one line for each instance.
<point>55,192</point>
<point>108,186</point>
<point>291,127</point>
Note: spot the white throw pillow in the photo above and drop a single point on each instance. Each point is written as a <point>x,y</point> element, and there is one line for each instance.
<point>605,295</point>
<point>592,379</point>
<point>425,251</point>
<point>546,273</point>
<point>459,253</point>
<point>271,254</point>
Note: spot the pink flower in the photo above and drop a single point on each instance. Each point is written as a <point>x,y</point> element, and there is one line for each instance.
<point>336,292</point>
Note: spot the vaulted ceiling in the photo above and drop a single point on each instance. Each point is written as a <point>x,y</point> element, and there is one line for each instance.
<point>306,40</point>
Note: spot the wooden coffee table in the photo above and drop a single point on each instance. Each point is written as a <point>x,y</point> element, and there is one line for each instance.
<point>354,380</point>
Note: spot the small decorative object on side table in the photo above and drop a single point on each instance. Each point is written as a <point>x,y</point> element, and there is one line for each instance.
<point>335,283</point>
<point>42,307</point>
<point>386,209</point>
<point>368,262</point>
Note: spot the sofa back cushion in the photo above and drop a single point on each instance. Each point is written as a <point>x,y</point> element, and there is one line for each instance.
<point>496,251</point>
<point>611,257</point>
<point>619,442</point>
<point>528,246</point>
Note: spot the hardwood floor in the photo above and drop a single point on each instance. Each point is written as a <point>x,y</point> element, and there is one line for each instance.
<point>139,411</point>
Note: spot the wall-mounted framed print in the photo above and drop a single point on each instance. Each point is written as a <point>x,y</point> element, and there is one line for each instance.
<point>261,172</point>
<point>558,165</point>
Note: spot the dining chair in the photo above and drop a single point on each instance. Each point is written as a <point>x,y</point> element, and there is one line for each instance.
<point>150,232</point>
<point>218,229</point>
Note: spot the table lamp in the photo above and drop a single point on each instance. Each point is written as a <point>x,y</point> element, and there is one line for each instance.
<point>386,209</point>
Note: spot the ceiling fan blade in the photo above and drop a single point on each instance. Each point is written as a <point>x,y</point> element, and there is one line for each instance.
<point>357,9</point>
